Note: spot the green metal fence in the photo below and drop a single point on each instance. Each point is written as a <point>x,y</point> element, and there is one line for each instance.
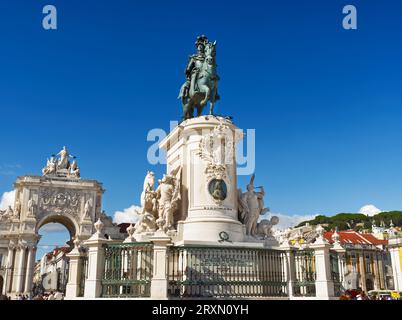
<point>335,274</point>
<point>128,270</point>
<point>83,261</point>
<point>226,272</point>
<point>305,273</point>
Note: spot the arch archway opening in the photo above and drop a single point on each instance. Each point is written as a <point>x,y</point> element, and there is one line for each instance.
<point>60,220</point>
<point>56,240</point>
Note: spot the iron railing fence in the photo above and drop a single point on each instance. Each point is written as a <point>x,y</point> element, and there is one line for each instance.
<point>128,270</point>
<point>226,272</point>
<point>83,261</point>
<point>62,277</point>
<point>305,270</point>
<point>335,273</point>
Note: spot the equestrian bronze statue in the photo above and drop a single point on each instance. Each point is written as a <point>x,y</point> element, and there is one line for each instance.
<point>201,83</point>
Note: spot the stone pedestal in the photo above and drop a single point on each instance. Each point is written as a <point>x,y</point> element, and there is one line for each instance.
<point>290,270</point>
<point>323,284</point>
<point>74,274</point>
<point>159,284</point>
<point>96,261</point>
<point>202,149</point>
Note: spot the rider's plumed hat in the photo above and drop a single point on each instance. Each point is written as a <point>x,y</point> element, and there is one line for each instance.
<point>201,40</point>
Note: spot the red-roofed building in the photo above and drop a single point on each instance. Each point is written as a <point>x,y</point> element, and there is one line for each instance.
<point>367,263</point>
<point>356,238</point>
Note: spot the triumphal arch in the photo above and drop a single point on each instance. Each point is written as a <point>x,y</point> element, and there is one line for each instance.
<point>58,195</point>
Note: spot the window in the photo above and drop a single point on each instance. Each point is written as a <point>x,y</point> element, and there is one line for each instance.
<point>354,265</point>
<point>368,264</point>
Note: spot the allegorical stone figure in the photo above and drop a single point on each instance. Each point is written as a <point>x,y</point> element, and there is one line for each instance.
<point>148,205</point>
<point>3,215</point>
<point>167,195</point>
<point>51,166</point>
<point>31,207</point>
<point>264,227</point>
<point>251,206</point>
<point>17,208</point>
<point>9,212</point>
<point>201,83</point>
<point>74,170</point>
<point>64,162</point>
<point>88,208</point>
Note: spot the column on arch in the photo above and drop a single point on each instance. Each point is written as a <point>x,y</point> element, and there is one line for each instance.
<point>10,268</point>
<point>29,269</point>
<point>20,272</point>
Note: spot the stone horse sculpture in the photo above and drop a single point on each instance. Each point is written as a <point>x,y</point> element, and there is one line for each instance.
<point>203,85</point>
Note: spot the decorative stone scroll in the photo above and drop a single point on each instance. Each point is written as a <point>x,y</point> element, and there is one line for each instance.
<point>216,149</point>
<point>60,200</point>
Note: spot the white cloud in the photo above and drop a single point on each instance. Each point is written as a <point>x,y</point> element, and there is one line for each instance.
<point>128,215</point>
<point>7,199</point>
<point>287,221</point>
<point>370,210</point>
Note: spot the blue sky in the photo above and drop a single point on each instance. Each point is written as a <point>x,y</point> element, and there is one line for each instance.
<point>325,102</point>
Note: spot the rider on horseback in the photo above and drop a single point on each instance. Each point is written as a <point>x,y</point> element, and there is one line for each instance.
<point>193,66</point>
<point>194,93</point>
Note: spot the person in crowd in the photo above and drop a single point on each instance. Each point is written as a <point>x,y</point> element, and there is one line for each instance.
<point>51,296</point>
<point>58,296</point>
<point>364,296</point>
<point>38,297</point>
